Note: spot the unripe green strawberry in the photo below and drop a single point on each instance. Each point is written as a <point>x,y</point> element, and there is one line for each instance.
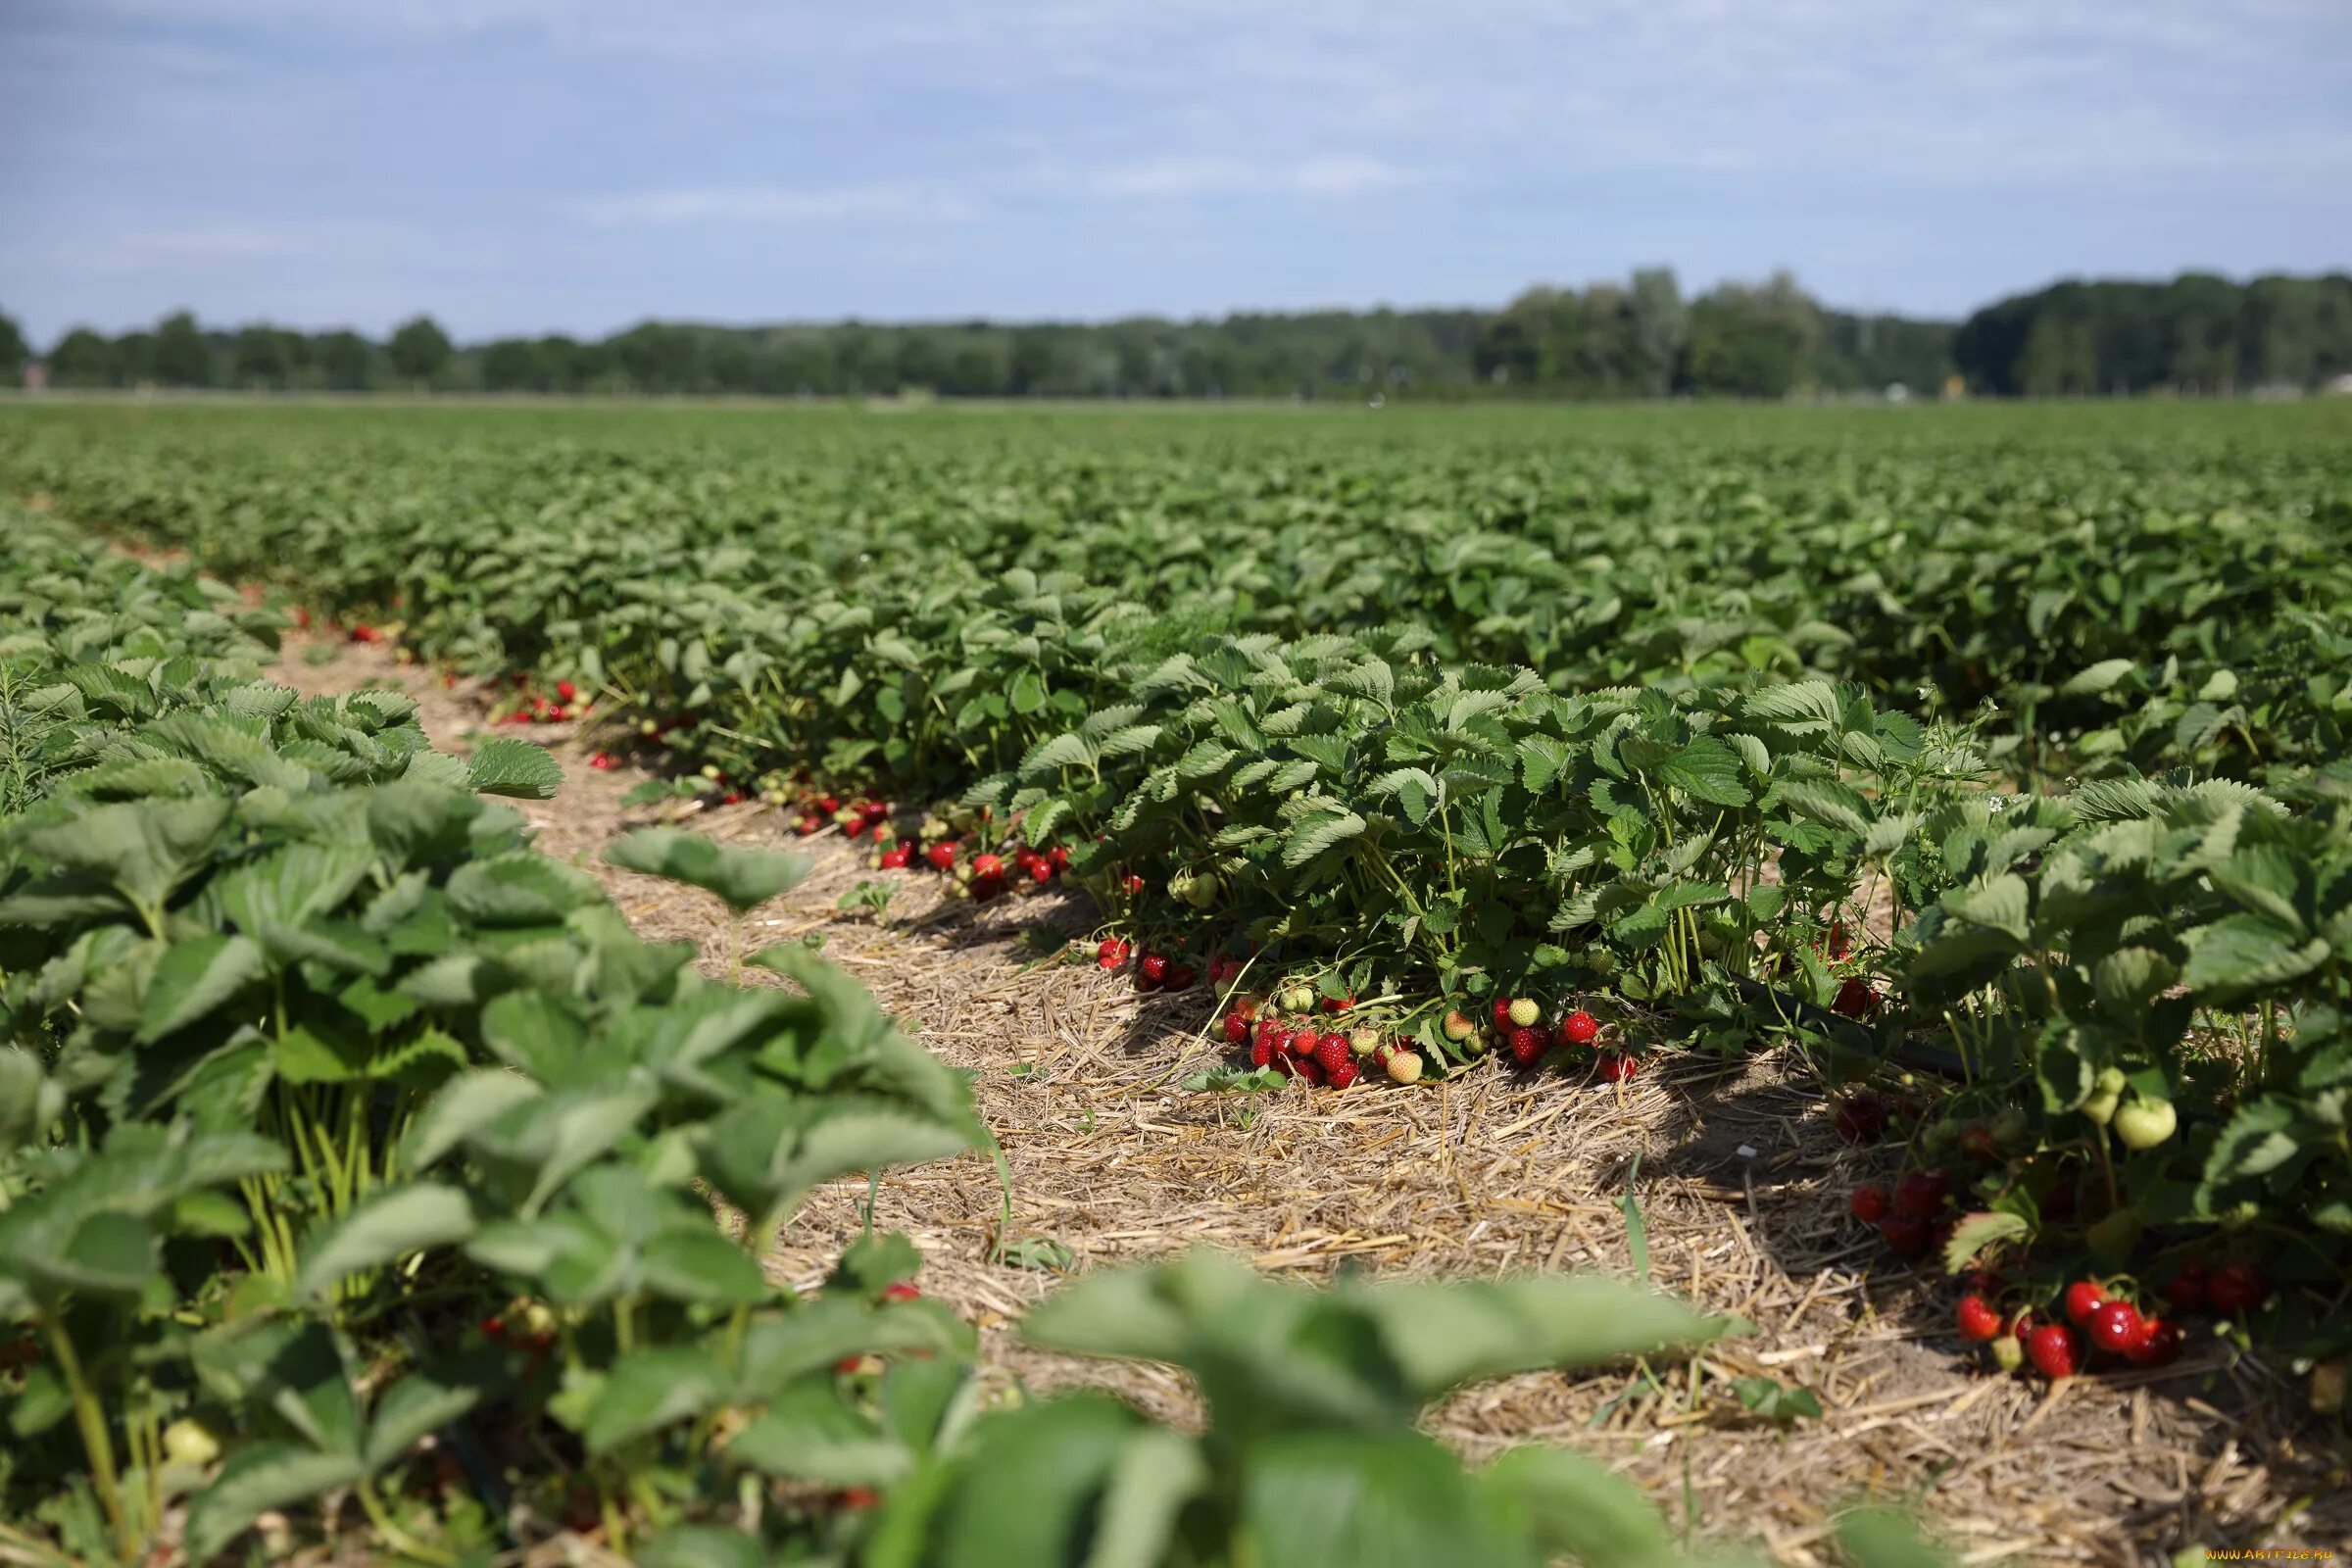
<point>1404,1067</point>
<point>2100,1106</point>
<point>1525,1013</point>
<point>187,1441</point>
<point>2008,1353</point>
<point>2145,1123</point>
<point>1297,999</point>
<point>1459,1028</point>
<point>1363,1041</point>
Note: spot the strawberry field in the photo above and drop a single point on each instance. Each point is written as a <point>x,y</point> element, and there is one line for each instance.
<point>1977,774</point>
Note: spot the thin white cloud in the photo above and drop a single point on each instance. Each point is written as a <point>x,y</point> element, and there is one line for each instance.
<point>1177,178</point>
<point>772,205</point>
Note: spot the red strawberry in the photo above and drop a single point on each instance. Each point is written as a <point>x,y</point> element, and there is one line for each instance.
<point>2160,1343</point>
<point>1272,1037</point>
<point>2237,1288</point>
<point>1111,955</point>
<point>1040,873</point>
<point>1579,1029</point>
<point>853,828</point>
<point>1058,857</point>
<point>2055,1351</point>
<point>942,854</point>
<point>1616,1066</point>
<point>1976,1319</point>
<point>1181,977</point>
<point>1342,1075</point>
<point>1975,1142</point>
<point>1236,1028</point>
<point>1332,1052</point>
<point>363,634</point>
<point>1133,883</point>
<point>1310,1069</point>
<point>1868,1203</point>
<point>1151,971</point>
<point>858,1498</point>
<point>986,867</point>
<point>1303,1043</point>
<point>1337,1003</point>
<point>2083,1299</point>
<point>731,798</point>
<point>1502,1014</point>
<point>984,888</point>
<point>2116,1328</point>
<point>1286,1065</point>
<point>302,617</point>
<point>901,1292</point>
<point>1223,967</point>
<point>1922,1193</point>
<point>1861,1118</point>
<point>567,692</point>
<point>894,858</point>
<point>876,811</point>
<point>827,804</point>
<point>1906,1235</point>
<point>604,761</point>
<point>2184,1291</point>
<point>1855,999</point>
<point>1265,1047</point>
<point>1529,1044</point>
<point>808,825</point>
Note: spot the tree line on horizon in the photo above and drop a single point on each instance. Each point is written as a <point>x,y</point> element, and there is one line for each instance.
<point>2199,334</point>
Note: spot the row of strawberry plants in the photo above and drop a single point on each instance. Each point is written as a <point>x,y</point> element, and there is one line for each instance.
<point>2148,605</point>
<point>352,1152</point>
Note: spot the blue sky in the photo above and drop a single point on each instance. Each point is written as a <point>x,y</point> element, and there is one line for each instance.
<point>577,165</point>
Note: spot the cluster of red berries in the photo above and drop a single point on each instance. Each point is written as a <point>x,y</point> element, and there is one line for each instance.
<point>537,707</point>
<point>2101,1322</point>
<point>1520,1027</point>
<point>1912,1219</point>
<point>1297,1046</point>
<point>855,820</point>
<point>1153,971</point>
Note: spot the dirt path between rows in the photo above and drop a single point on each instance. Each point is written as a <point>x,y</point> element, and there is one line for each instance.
<point>1740,1189</point>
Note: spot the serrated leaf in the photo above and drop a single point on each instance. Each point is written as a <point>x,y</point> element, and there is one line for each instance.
<point>514,768</point>
<point>741,877</point>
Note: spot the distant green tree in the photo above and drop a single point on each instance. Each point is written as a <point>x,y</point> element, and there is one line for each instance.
<point>266,357</point>
<point>183,356</point>
<point>83,359</point>
<point>12,351</point>
<point>1660,327</point>
<point>513,364</point>
<point>344,360</point>
<point>419,350</point>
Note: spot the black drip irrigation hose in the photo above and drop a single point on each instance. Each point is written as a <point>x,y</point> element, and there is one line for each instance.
<point>1906,1050</point>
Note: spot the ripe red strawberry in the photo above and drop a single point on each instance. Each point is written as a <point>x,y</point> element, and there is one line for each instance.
<point>1026,857</point>
<point>1040,873</point>
<point>1058,858</point>
<point>1855,999</point>
<point>567,692</point>
<point>1529,1044</point>
<point>1236,1028</point>
<point>808,825</point>
<point>2116,1328</point>
<point>876,811</point>
<point>1265,1047</point>
<point>2160,1344</point>
<point>1502,1014</point>
<point>1272,1036</point>
<point>1906,1235</point>
<point>2055,1351</point>
<point>1303,1041</point>
<point>827,804</point>
<point>2083,1299</point>
<point>942,854</point>
<point>1111,955</point>
<point>1861,1118</point>
<point>1285,1065</point>
<point>1337,1003</point>
<point>1976,1319</point>
<point>302,617</point>
<point>1616,1066</point>
<point>1579,1029</point>
<point>1868,1203</point>
<point>987,866</point>
<point>1310,1069</point>
<point>604,761</point>
<point>1181,977</point>
<point>1133,883</point>
<point>364,634</point>
<point>1342,1075</point>
<point>984,888</point>
<point>1222,967</point>
<point>1151,971</point>
<point>1922,1193</point>
<point>2184,1291</point>
<point>901,1292</point>
<point>894,858</point>
<point>853,828</point>
<point>1331,1051</point>
<point>2237,1288</point>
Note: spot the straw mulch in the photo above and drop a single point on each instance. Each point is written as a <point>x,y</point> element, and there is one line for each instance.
<point>1737,1176</point>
